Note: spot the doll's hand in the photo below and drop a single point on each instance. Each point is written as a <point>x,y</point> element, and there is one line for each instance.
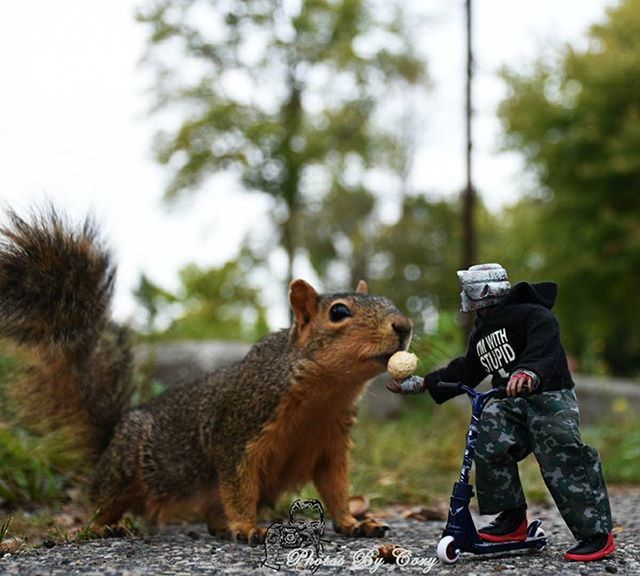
<point>521,384</point>
<point>411,385</point>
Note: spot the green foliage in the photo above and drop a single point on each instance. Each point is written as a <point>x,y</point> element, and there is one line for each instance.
<point>31,469</point>
<point>285,95</point>
<point>619,445</point>
<point>216,303</point>
<point>576,121</point>
<point>153,299</point>
<point>4,528</point>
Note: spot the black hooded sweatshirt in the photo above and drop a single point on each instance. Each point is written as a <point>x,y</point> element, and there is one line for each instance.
<point>520,333</point>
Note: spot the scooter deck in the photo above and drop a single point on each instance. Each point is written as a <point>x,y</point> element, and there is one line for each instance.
<point>495,547</point>
<point>471,542</point>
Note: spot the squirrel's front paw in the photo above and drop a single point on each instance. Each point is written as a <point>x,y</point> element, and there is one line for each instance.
<point>252,535</point>
<point>369,528</point>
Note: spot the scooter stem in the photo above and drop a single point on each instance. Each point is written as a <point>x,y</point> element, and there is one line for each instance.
<point>478,401</point>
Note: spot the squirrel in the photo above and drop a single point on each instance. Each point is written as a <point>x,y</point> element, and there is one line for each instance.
<point>232,441</point>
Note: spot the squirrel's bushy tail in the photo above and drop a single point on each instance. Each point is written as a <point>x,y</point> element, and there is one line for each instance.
<point>56,281</point>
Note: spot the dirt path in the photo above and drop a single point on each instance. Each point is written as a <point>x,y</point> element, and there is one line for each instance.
<point>187,549</point>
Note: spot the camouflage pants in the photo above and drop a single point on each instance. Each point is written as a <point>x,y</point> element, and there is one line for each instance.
<point>546,424</point>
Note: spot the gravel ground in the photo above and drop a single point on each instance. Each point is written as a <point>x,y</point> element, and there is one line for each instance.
<point>187,549</point>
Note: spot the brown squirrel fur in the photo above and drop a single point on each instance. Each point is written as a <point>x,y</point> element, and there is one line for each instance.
<point>235,439</point>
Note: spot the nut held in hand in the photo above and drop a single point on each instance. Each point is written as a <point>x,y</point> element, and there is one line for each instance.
<point>402,365</point>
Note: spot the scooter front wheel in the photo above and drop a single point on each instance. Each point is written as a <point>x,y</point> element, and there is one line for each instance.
<point>447,550</point>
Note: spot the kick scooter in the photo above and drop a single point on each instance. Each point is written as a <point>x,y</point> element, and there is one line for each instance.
<point>460,534</point>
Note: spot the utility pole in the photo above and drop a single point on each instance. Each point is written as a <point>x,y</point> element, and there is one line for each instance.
<point>468,196</point>
<point>468,201</point>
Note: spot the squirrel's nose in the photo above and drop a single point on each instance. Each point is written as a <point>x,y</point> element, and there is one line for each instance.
<point>403,327</point>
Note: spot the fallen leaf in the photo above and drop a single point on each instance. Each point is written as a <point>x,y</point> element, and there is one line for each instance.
<point>11,544</point>
<point>385,551</point>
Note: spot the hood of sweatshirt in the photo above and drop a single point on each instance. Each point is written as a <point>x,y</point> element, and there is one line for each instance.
<point>543,293</point>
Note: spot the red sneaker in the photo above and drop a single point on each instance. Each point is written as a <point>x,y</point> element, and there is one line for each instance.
<point>509,526</point>
<point>591,549</point>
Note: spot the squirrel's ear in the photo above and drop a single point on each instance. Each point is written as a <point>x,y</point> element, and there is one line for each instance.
<point>304,301</point>
<point>363,288</point>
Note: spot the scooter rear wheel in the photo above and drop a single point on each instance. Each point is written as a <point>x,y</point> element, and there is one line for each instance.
<point>540,533</point>
<point>447,550</point>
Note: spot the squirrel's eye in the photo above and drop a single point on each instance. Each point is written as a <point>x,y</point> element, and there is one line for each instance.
<point>339,312</point>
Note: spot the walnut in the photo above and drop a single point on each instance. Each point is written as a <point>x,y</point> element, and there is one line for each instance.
<point>402,365</point>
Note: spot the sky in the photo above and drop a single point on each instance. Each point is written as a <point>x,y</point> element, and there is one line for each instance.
<point>75,129</point>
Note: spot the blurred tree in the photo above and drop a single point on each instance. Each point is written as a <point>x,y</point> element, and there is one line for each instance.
<point>339,233</point>
<point>153,299</point>
<point>283,93</point>
<point>577,122</point>
<point>210,303</point>
<point>413,259</point>
<point>417,258</point>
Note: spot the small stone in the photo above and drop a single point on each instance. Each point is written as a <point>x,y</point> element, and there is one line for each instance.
<point>611,569</point>
<point>48,543</point>
<point>193,535</point>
